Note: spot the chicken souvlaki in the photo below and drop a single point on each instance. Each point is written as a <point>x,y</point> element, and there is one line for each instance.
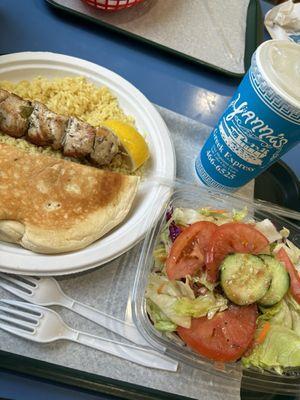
<point>33,121</point>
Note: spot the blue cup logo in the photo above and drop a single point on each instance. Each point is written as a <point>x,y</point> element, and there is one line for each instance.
<point>256,129</point>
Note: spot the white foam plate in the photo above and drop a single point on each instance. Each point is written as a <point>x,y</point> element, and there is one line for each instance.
<point>150,198</point>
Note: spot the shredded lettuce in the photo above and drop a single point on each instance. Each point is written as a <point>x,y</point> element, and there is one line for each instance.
<point>163,285</point>
<point>174,302</point>
<point>202,279</point>
<point>164,294</point>
<point>186,289</point>
<point>186,216</point>
<point>160,255</point>
<point>161,322</point>
<point>281,347</point>
<point>284,232</point>
<point>279,350</point>
<point>166,305</point>
<point>208,212</point>
<point>272,247</point>
<point>239,215</point>
<point>267,228</point>
<point>222,216</point>
<point>292,251</point>
<point>165,237</point>
<point>207,304</point>
<point>294,308</point>
<point>279,314</point>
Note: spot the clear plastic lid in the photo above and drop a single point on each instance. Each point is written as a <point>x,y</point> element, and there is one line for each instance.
<point>279,61</point>
<point>190,196</point>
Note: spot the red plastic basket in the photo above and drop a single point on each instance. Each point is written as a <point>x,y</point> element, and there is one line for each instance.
<point>112,5</point>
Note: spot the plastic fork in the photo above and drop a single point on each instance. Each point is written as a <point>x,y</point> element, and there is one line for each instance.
<point>47,292</point>
<point>43,325</point>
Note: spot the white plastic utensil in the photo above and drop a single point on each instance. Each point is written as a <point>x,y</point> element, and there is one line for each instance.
<point>47,292</point>
<point>43,325</point>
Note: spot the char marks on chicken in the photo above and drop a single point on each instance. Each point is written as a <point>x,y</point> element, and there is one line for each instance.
<point>14,113</point>
<point>106,146</point>
<point>46,128</point>
<point>79,138</point>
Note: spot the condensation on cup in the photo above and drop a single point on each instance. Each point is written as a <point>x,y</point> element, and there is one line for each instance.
<point>261,122</point>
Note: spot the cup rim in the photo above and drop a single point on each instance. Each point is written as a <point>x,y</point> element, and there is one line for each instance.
<point>291,100</point>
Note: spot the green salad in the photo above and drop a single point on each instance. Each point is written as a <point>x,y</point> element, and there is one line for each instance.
<point>228,287</point>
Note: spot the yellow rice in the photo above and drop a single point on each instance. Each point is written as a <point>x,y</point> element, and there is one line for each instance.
<point>71,96</point>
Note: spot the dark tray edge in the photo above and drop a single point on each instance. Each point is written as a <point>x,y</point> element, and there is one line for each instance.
<point>83,380</point>
<point>253,41</point>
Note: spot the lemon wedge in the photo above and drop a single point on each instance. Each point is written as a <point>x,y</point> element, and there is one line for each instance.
<point>131,140</point>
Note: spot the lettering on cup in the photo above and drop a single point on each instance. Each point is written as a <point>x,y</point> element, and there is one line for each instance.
<point>248,136</point>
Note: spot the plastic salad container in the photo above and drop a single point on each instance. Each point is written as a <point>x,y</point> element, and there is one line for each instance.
<point>186,196</point>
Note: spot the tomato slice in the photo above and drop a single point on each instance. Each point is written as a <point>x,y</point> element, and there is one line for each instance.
<point>187,254</point>
<point>226,336</point>
<point>294,274</point>
<point>232,237</point>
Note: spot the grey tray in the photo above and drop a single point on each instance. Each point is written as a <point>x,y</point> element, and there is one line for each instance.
<point>220,35</point>
<point>109,289</point>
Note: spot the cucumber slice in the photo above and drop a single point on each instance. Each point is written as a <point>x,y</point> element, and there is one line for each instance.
<point>280,281</point>
<point>244,278</point>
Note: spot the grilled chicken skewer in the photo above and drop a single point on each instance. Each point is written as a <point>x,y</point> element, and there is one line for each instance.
<point>46,128</point>
<point>34,122</point>
<point>14,113</point>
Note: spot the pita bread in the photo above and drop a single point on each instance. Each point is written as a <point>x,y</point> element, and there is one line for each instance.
<point>50,205</point>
